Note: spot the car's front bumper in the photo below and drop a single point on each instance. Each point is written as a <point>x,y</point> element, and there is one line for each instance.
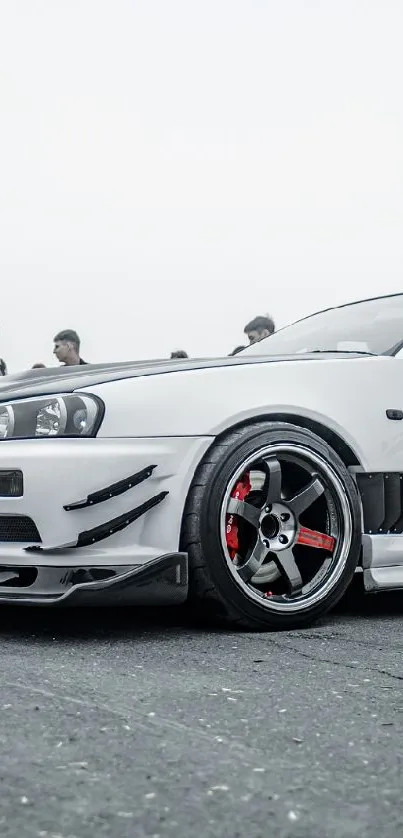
<point>97,510</point>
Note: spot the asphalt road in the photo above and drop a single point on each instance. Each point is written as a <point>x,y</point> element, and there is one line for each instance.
<point>111,726</point>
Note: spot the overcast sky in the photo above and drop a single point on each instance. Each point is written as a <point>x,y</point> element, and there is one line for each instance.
<point>170,168</point>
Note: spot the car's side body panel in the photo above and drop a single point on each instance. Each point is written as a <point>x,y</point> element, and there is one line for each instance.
<point>348,395</point>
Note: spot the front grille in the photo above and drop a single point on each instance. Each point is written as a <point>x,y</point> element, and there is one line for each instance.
<point>18,528</point>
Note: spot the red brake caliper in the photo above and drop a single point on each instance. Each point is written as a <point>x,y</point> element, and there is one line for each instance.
<point>240,492</point>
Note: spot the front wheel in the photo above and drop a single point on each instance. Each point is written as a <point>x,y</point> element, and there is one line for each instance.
<point>271,527</point>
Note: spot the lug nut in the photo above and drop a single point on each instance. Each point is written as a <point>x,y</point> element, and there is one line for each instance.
<point>268,508</point>
<point>285,517</point>
<point>283,539</point>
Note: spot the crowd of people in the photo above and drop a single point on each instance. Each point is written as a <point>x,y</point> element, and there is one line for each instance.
<point>67,344</point>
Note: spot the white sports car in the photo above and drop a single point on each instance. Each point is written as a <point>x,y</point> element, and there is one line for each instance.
<point>253,485</point>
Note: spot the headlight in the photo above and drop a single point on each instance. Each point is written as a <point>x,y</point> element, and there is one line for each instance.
<point>51,416</point>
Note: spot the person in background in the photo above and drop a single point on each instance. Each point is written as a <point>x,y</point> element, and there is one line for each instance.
<point>179,353</point>
<point>259,328</point>
<point>236,350</point>
<point>67,348</point>
<point>3,367</point>
<point>38,367</point>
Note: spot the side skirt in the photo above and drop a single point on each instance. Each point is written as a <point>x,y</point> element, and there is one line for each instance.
<point>382,562</point>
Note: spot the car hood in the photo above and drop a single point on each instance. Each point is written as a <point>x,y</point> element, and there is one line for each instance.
<point>53,380</point>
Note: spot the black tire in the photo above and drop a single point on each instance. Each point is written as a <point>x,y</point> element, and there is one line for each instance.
<point>214,590</point>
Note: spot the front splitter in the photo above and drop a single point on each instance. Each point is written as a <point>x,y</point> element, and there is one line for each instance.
<point>162,581</point>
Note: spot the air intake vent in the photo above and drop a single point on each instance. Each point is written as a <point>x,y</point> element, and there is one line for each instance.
<point>382,502</point>
<point>18,528</point>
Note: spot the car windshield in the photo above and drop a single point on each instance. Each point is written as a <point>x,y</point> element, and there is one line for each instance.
<point>372,326</point>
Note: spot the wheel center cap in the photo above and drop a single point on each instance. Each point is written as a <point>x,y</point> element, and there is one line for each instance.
<point>277,527</point>
<point>270,526</point>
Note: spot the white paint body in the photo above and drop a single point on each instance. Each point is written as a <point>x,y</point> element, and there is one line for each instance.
<point>347,395</point>
<point>171,419</point>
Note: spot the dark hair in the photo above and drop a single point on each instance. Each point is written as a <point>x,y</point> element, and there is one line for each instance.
<point>38,367</point>
<point>68,336</point>
<point>179,353</point>
<point>236,350</point>
<point>260,324</point>
<point>3,367</point>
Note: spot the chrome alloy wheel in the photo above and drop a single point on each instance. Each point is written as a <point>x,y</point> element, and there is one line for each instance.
<point>286,527</point>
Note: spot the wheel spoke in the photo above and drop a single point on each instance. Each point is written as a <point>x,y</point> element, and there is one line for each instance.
<point>244,510</point>
<point>251,566</point>
<point>318,540</point>
<point>300,502</point>
<point>275,477</point>
<point>286,563</point>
